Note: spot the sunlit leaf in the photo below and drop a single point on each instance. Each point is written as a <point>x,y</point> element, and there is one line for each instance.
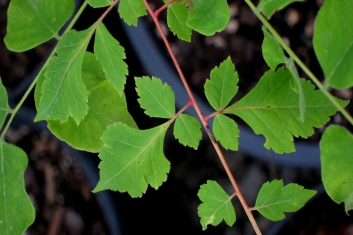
<point>226,131</point>
<point>32,22</point>
<point>187,130</point>
<point>216,205</point>
<point>13,197</point>
<point>268,7</point>
<point>274,199</point>
<point>99,3</point>
<point>131,10</point>
<point>336,148</point>
<point>4,106</point>
<point>177,17</point>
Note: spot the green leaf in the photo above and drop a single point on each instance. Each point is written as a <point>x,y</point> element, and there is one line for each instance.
<point>222,86</point>
<point>110,55</point>
<point>272,50</point>
<point>32,22</point>
<point>216,205</point>
<point>336,148</point>
<point>156,98</point>
<point>268,7</point>
<point>272,109</point>
<point>16,209</point>
<point>4,106</point>
<point>131,10</point>
<point>209,16</point>
<point>64,94</point>
<point>333,42</point>
<point>226,131</point>
<point>187,130</point>
<point>177,17</point>
<point>99,3</point>
<point>274,199</point>
<point>132,159</point>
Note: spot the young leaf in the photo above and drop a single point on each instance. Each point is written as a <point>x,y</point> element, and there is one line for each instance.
<point>336,148</point>
<point>177,17</point>
<point>272,109</point>
<point>110,55</point>
<point>209,16</point>
<point>31,23</point>
<point>226,131</point>
<point>156,98</point>
<point>272,51</point>
<point>131,10</point>
<point>216,205</point>
<point>268,7</point>
<point>222,86</point>
<point>4,106</point>
<point>99,3</point>
<point>64,93</point>
<point>274,199</point>
<point>13,196</point>
<point>187,130</point>
<point>333,45</point>
<point>132,159</point>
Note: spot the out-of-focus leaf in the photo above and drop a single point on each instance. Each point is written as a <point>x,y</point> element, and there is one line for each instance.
<point>99,3</point>
<point>4,106</point>
<point>268,7</point>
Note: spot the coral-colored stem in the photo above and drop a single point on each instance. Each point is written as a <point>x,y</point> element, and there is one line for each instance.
<point>159,10</point>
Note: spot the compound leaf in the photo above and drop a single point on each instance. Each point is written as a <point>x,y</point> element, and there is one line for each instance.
<point>272,51</point>
<point>336,148</point>
<point>333,45</point>
<point>99,3</point>
<point>268,7</point>
<point>209,16</point>
<point>131,10</point>
<point>156,98</point>
<point>31,23</point>
<point>110,55</point>
<point>64,93</point>
<point>187,130</point>
<point>274,199</point>
<point>272,109</point>
<point>226,131</point>
<point>132,159</point>
<point>13,196</point>
<point>4,106</point>
<point>216,205</point>
<point>177,17</point>
<point>222,86</point>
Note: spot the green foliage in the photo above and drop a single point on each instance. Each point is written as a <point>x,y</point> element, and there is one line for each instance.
<point>226,131</point>
<point>31,23</point>
<point>272,51</point>
<point>187,130</point>
<point>177,18</point>
<point>336,148</point>
<point>274,199</point>
<point>156,98</point>
<point>132,159</point>
<point>4,106</point>
<point>333,42</point>
<point>16,210</point>
<point>131,10</point>
<point>99,3</point>
<point>271,108</point>
<point>268,7</point>
<point>209,16</point>
<point>216,205</point>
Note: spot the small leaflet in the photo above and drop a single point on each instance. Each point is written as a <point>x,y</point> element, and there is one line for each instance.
<point>216,205</point>
<point>177,16</point>
<point>226,131</point>
<point>156,98</point>
<point>336,147</point>
<point>187,130</point>
<point>13,195</point>
<point>131,10</point>
<point>268,7</point>
<point>131,159</point>
<point>99,3</point>
<point>222,86</point>
<point>274,199</point>
<point>4,106</point>
<point>110,55</point>
<point>272,51</point>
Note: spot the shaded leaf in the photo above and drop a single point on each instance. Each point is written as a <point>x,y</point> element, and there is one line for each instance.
<point>226,131</point>
<point>222,86</point>
<point>333,42</point>
<point>156,98</point>
<point>31,23</point>
<point>209,16</point>
<point>272,109</point>
<point>4,106</point>
<point>13,196</point>
<point>132,159</point>
<point>216,205</point>
<point>274,199</point>
<point>99,3</point>
<point>187,130</point>
<point>131,10</point>
<point>268,7</point>
<point>336,148</point>
<point>177,17</point>
<point>272,51</point>
<point>110,55</point>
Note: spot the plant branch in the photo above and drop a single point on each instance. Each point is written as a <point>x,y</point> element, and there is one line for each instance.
<point>203,121</point>
<point>159,10</point>
<point>323,88</point>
